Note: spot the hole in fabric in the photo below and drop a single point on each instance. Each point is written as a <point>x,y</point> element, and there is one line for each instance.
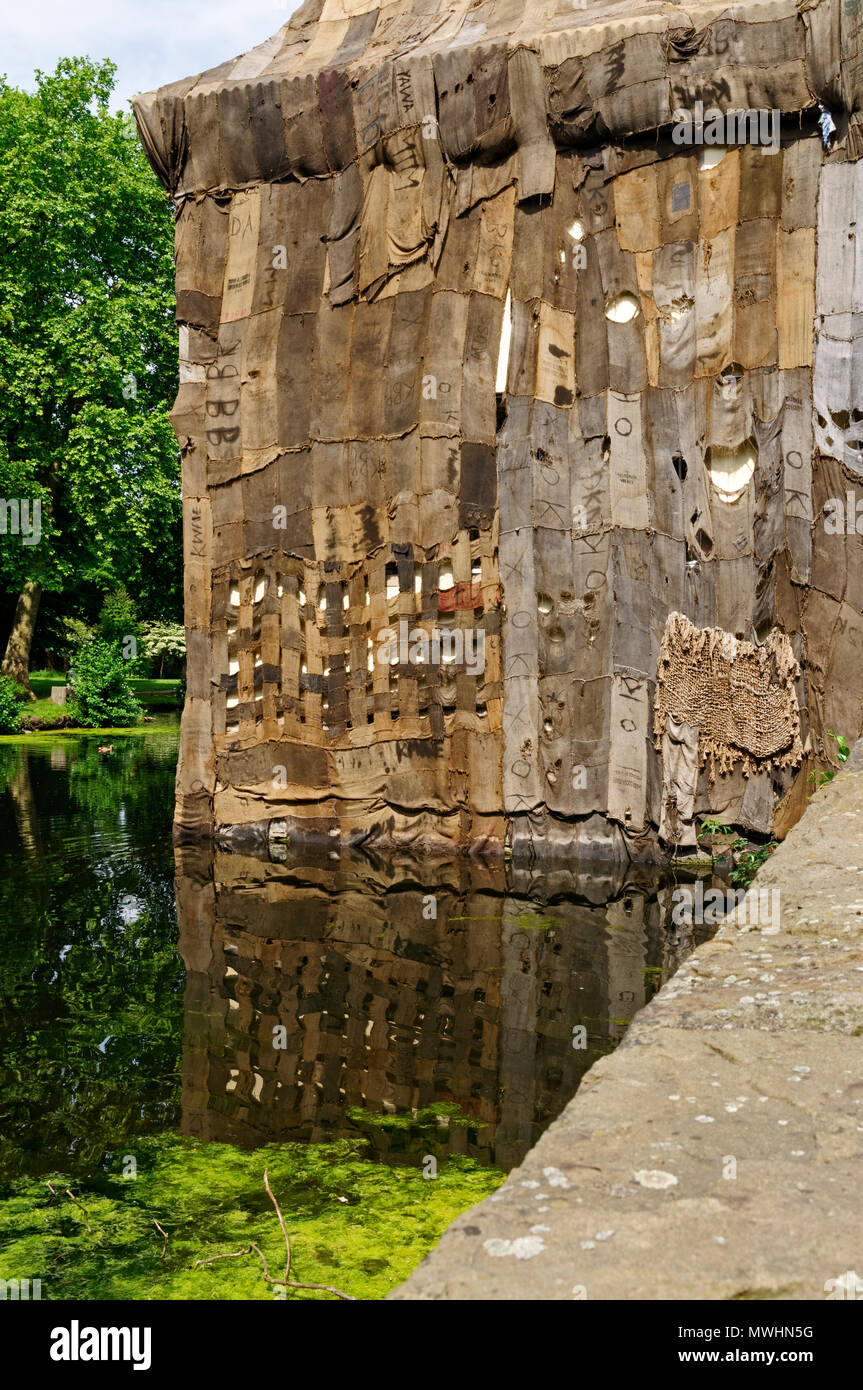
<point>234,599</point>
<point>505,341</point>
<point>260,587</point>
<point>556,634</point>
<point>731,469</point>
<point>544,603</point>
<point>445,579</point>
<point>711,155</point>
<point>679,465</point>
<point>840,418</point>
<point>576,231</point>
<point>392,576</point>
<point>733,372</point>
<point>704,542</point>
<point>763,630</point>
<point>623,308</point>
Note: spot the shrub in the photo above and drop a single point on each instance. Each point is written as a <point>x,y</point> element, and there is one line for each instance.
<point>11,696</point>
<point>100,682</point>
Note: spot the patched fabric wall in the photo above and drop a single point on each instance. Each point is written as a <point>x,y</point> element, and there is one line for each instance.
<point>499,409</point>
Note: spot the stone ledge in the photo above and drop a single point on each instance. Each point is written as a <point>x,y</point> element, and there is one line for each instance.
<point>717,1153</point>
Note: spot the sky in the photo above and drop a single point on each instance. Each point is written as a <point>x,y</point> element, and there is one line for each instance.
<point>151,41</point>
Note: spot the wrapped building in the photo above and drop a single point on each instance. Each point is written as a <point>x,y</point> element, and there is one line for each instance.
<point>519,423</point>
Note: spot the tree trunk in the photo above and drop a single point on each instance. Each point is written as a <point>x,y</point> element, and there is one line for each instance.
<point>26,818</point>
<point>16,662</point>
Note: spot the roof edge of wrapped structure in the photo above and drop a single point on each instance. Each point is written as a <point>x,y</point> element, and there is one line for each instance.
<point>345,76</point>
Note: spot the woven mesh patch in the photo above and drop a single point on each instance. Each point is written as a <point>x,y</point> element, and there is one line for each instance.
<point>740,697</point>
<point>297,644</point>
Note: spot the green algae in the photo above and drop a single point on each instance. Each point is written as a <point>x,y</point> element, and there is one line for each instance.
<point>534,921</point>
<point>359,1226</point>
<point>66,738</point>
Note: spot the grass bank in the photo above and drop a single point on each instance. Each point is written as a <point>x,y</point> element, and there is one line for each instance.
<point>154,694</point>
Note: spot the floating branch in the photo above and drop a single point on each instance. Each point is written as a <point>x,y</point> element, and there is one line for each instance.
<point>161,1233</point>
<point>285,1281</point>
<point>72,1198</point>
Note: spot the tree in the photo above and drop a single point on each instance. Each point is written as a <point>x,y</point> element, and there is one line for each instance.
<point>88,358</point>
<point>164,642</point>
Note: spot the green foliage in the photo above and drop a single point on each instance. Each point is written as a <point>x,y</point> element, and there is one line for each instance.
<point>747,858</point>
<point>100,681</point>
<point>87,344</point>
<point>10,705</point>
<point>714,828</point>
<point>76,632</point>
<point>843,753</point>
<point>117,617</point>
<point>91,983</point>
<point>163,644</point>
<point>358,1226</point>
<point>748,861</point>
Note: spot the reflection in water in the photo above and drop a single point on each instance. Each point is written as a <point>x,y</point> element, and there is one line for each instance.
<point>90,980</point>
<point>323,998</point>
<point>430,1034</point>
